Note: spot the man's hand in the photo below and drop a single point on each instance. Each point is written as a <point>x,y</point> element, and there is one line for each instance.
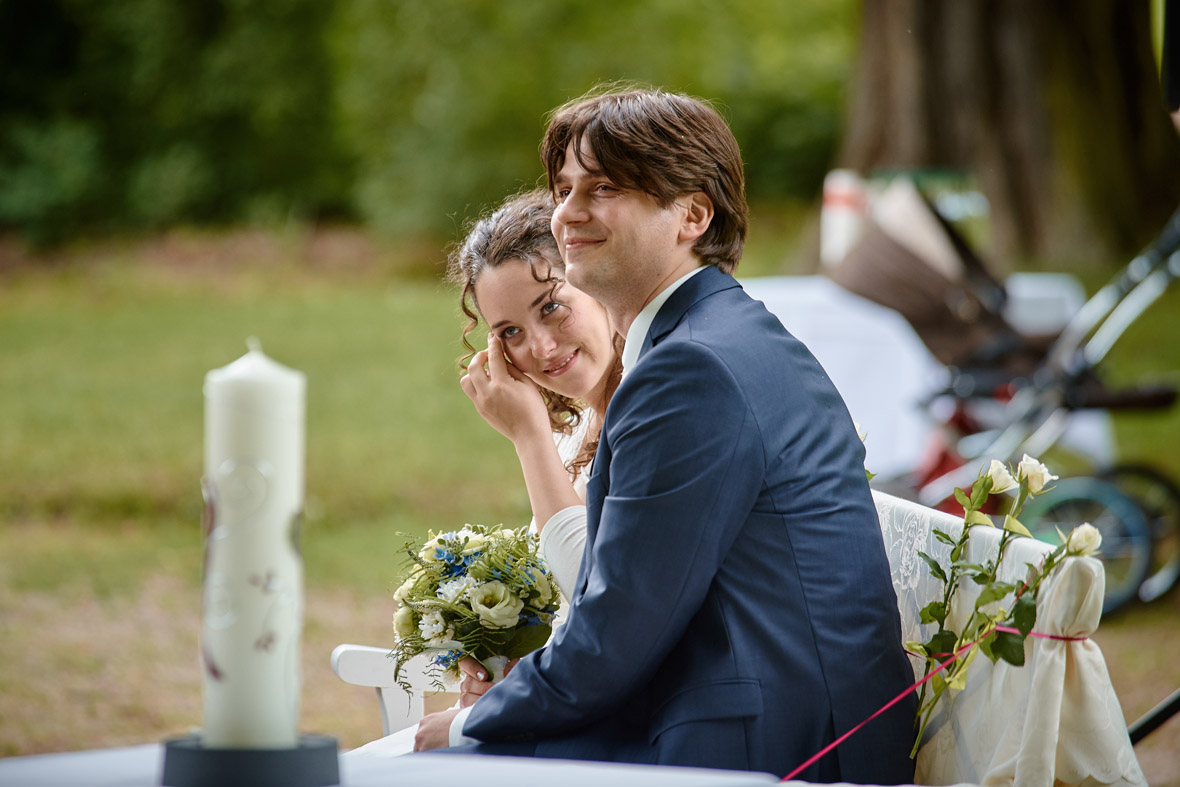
<point>434,731</point>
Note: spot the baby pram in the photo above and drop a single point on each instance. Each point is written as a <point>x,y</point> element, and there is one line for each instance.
<point>910,259</point>
<point>1011,393</point>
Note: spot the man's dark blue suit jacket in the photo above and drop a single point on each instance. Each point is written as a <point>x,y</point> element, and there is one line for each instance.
<point>735,608</point>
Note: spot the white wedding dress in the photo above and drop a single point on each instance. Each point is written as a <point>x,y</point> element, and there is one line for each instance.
<point>563,539</point>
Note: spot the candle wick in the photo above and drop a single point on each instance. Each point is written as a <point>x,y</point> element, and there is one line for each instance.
<point>253,344</point>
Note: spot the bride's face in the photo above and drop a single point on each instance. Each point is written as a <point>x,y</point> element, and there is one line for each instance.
<point>560,337</point>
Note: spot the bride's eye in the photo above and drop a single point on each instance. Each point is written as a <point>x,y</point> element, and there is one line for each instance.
<point>508,333</point>
<point>550,307</point>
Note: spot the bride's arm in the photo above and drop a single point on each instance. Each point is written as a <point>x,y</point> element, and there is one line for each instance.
<point>512,404</point>
<point>563,541</point>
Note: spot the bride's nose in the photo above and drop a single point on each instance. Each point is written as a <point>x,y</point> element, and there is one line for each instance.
<point>542,343</point>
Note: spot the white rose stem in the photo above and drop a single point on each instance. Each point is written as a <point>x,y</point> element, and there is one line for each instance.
<point>253,573</point>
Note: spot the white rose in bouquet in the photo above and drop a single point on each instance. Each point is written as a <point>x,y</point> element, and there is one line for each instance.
<point>404,588</point>
<point>404,624</point>
<point>1037,474</point>
<point>1084,540</point>
<point>496,605</point>
<point>544,587</point>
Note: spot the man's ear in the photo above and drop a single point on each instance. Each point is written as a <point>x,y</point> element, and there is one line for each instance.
<point>697,216</point>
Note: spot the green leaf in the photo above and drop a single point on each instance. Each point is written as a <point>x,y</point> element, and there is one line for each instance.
<point>985,645</point>
<point>935,569</point>
<point>978,518</point>
<point>1024,614</point>
<point>961,496</point>
<point>1013,524</point>
<point>944,537</point>
<point>942,644</point>
<point>933,612</point>
<point>527,639</point>
<point>979,491</point>
<point>957,552</point>
<point>968,567</point>
<point>1009,647</point>
<point>993,592</point>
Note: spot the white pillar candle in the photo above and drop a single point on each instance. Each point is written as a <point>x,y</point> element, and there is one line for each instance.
<point>253,573</point>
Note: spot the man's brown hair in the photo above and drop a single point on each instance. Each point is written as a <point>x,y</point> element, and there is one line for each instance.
<point>664,144</point>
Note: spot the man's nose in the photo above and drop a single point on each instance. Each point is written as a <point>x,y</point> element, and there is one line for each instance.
<point>570,210</point>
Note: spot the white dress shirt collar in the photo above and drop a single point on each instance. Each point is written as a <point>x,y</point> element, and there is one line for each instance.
<point>642,324</point>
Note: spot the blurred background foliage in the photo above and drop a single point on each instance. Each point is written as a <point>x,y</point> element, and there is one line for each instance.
<point>407,116</point>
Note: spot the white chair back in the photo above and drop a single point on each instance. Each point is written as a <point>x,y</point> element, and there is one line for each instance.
<point>1054,721</point>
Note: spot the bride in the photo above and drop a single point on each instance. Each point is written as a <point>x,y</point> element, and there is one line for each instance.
<point>550,368</point>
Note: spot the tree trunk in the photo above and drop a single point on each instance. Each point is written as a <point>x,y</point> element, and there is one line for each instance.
<point>1053,106</point>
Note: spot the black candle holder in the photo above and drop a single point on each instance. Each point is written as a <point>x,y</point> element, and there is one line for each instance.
<point>314,762</point>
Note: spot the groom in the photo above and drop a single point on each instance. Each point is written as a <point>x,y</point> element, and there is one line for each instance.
<point>735,608</point>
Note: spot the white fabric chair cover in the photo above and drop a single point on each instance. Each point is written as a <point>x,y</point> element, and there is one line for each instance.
<point>1054,721</point>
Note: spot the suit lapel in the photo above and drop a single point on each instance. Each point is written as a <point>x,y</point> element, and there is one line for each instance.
<point>702,285</point>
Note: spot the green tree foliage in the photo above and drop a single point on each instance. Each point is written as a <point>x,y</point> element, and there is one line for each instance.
<point>143,113</point>
<point>408,114</point>
<point>444,101</point>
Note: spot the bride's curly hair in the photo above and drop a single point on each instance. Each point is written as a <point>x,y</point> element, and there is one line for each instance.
<point>519,230</point>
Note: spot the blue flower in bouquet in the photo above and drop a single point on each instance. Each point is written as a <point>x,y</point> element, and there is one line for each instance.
<point>448,659</point>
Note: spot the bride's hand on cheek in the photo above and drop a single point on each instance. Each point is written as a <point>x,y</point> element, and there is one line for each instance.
<point>504,396</point>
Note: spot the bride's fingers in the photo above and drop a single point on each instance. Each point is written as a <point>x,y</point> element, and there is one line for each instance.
<point>497,364</point>
<point>472,668</point>
<point>478,362</point>
<point>467,383</point>
<point>517,374</point>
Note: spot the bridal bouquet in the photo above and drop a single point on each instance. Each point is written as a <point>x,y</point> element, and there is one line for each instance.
<point>478,591</point>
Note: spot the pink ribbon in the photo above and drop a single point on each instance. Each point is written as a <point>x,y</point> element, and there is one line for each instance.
<point>951,657</point>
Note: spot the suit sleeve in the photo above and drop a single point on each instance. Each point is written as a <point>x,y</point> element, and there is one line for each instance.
<point>685,467</point>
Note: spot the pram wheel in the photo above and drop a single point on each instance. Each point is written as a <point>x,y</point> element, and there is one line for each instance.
<point>1126,537</point>
<point>1159,499</point>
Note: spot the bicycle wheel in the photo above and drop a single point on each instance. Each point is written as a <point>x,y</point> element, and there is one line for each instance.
<point>1126,539</point>
<point>1159,499</point>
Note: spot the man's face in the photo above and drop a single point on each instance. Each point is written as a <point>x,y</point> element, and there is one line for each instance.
<point>618,244</point>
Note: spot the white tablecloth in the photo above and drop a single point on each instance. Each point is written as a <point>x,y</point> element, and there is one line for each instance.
<point>142,766</point>
<point>884,372</point>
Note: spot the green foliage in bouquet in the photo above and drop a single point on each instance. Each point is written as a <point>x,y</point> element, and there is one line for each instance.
<point>479,591</point>
<point>996,629</point>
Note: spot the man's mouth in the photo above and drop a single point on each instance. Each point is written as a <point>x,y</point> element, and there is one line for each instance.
<point>573,244</point>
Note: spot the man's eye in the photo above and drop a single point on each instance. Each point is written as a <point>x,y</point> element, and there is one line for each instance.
<point>605,187</point>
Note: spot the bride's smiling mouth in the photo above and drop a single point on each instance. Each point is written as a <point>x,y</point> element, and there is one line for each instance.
<point>563,364</point>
